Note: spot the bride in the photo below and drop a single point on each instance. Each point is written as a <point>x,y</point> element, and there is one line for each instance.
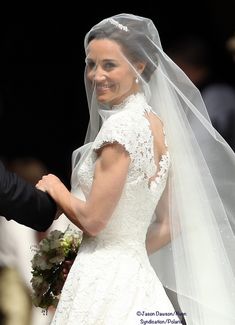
<point>152,191</point>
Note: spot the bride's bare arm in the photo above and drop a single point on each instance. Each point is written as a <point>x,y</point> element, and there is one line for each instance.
<point>159,234</point>
<point>109,178</point>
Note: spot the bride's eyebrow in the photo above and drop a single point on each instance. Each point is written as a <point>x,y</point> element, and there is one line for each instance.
<point>109,60</point>
<point>90,60</point>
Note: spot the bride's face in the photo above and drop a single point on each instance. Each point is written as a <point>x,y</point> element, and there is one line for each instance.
<point>109,71</point>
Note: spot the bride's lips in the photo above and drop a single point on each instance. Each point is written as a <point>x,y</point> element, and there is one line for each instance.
<point>102,88</point>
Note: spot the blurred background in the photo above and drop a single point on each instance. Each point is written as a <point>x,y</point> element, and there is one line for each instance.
<point>43,109</point>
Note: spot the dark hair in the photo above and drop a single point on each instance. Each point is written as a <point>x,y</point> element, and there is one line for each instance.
<point>135,45</point>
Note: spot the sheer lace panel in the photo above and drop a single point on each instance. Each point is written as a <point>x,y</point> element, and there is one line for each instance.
<point>142,134</point>
<point>160,148</point>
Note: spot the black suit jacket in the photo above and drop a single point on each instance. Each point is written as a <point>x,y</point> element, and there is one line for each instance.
<point>24,203</point>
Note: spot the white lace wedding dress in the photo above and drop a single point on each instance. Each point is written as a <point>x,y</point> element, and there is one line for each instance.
<point>111,281</point>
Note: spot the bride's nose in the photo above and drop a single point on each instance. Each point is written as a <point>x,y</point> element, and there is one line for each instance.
<point>99,75</point>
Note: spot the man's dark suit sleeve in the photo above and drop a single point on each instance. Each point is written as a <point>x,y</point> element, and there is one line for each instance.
<point>24,203</point>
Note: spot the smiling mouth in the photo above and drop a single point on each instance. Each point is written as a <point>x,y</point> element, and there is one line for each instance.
<point>103,87</point>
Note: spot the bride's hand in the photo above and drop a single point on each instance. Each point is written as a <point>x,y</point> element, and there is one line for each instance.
<point>40,186</point>
<point>48,183</point>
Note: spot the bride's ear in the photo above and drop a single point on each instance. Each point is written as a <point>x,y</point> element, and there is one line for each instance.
<point>140,66</point>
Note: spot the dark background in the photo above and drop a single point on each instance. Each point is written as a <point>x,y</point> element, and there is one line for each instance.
<point>43,110</point>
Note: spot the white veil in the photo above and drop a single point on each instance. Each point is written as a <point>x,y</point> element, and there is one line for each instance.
<point>199,263</point>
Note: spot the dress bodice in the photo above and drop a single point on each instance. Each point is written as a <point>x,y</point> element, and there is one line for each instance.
<point>128,126</point>
<point>111,278</point>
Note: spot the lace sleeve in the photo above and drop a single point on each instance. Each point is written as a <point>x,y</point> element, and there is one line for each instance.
<point>119,128</point>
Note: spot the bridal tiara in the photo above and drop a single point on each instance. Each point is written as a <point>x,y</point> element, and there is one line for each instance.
<point>117,24</point>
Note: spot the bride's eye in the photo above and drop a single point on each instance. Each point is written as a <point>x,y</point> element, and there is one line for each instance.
<point>109,65</point>
<point>90,64</point>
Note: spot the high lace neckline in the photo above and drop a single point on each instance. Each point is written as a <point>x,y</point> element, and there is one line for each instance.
<point>133,101</point>
<point>126,101</point>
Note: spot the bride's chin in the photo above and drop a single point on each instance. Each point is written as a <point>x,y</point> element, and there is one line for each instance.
<point>102,99</point>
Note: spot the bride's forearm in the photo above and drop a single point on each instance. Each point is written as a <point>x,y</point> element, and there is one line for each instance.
<point>158,236</point>
<point>76,210</point>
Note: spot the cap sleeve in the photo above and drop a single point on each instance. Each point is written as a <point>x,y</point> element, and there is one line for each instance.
<point>119,128</point>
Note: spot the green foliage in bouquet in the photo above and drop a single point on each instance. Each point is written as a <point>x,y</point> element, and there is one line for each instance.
<point>47,265</point>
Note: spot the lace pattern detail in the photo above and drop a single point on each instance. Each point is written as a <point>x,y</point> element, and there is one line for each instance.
<point>95,292</point>
<point>131,131</point>
<point>128,126</point>
<point>162,174</point>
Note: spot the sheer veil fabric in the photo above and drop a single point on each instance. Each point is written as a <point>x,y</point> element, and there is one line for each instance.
<point>199,263</point>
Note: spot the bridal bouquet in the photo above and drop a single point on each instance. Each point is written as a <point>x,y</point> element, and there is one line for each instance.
<point>48,263</point>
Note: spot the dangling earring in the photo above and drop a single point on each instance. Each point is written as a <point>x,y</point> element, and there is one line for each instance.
<point>136,80</point>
